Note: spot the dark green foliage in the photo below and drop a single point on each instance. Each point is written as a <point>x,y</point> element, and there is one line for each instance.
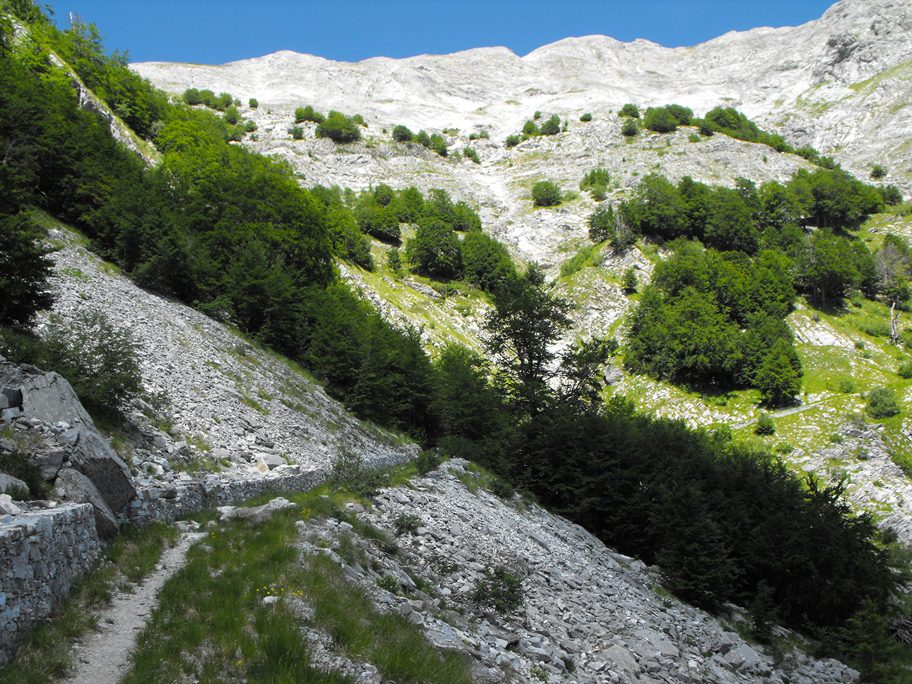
<point>232,116</point>
<point>383,195</point>
<point>546,194</point>
<point>469,408</point>
<point>99,359</point>
<point>530,128</point>
<point>347,239</point>
<point>17,464</point>
<point>878,172</point>
<point>660,120</point>
<point>339,128</point>
<point>629,280</point>
<point>427,460</point>
<point>882,403</point>
<point>308,113</point>
<point>734,124</point>
<point>479,135</point>
<point>402,134</point>
<point>657,208</point>
<point>434,142</point>
<point>435,250</point>
<point>765,425</point>
<point>586,118</point>
<point>253,103</point>
<point>499,590</point>
<point>551,126</point>
<point>905,369</point>
<point>629,128</point>
<point>829,268</point>
<point>525,322</point>
<point>394,260</point>
<point>487,263</point>
<point>601,223</point>
<point>630,110</point>
<point>297,132</point>
<point>24,271</point>
<point>380,221</point>
<point>513,140</point>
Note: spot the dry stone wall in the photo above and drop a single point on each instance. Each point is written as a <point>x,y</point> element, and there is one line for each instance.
<point>42,554</point>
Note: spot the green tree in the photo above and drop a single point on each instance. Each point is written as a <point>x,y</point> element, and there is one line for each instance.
<point>487,262</point>
<point>402,134</point>
<point>435,250</point>
<point>629,128</point>
<point>524,324</point>
<point>630,110</point>
<point>551,126</point>
<point>660,120</point>
<point>882,403</point>
<point>339,128</point>
<point>25,270</point>
<point>308,113</point>
<point>779,375</point>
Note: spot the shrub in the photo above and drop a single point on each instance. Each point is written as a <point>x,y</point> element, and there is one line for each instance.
<point>545,194</point>
<point>350,473</point>
<point>402,134</point>
<point>502,488</point>
<point>252,103</point>
<point>480,135</point>
<point>406,523</point>
<point>339,128</point>
<point>596,182</point>
<point>694,138</point>
<point>358,119</point>
<point>192,96</point>
<point>383,194</point>
<point>499,590</point>
<point>586,117</point>
<point>882,403</point>
<point>17,464</point>
<point>629,280</point>
<point>100,359</point>
<point>905,369</point>
<point>660,120</point>
<point>470,153</point>
<point>427,460</point>
<point>297,132</point>
<point>530,128</point>
<point>513,140</point>
<point>878,172</point>
<point>765,425</point>
<point>629,128</point>
<point>552,126</point>
<point>601,223</point>
<point>232,116</point>
<point>630,110</point>
<point>308,114</point>
<point>250,126</point>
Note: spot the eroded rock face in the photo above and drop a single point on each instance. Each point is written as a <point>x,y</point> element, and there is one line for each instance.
<point>73,486</point>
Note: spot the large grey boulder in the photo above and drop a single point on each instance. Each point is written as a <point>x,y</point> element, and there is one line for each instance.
<point>94,458</point>
<point>50,398</point>
<point>73,486</point>
<point>256,514</point>
<point>13,486</point>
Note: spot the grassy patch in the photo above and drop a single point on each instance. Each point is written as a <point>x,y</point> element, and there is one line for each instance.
<point>211,624</point>
<point>44,654</point>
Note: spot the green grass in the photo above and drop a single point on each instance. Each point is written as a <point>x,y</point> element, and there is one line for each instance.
<point>211,624</point>
<point>44,655</point>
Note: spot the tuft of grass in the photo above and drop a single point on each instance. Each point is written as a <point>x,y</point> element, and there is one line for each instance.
<point>44,655</point>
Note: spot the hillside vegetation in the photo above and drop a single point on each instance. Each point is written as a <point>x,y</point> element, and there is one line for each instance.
<point>234,234</point>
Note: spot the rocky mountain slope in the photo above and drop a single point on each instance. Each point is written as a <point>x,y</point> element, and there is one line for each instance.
<point>841,83</point>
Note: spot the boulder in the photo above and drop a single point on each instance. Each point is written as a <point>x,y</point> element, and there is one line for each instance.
<point>7,507</point>
<point>51,399</point>
<point>48,462</point>
<point>255,514</point>
<point>73,486</point>
<point>13,486</point>
<point>94,458</point>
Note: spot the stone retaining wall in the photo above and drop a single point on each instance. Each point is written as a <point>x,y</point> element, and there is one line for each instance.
<point>42,554</point>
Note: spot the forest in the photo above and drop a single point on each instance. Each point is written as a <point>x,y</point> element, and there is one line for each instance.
<point>234,235</point>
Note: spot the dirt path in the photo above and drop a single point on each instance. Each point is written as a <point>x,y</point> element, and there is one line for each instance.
<point>103,657</point>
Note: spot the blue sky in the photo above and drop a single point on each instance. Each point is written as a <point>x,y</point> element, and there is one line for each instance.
<point>218,31</point>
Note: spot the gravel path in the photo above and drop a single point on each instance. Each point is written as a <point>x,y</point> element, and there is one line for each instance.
<point>104,656</point>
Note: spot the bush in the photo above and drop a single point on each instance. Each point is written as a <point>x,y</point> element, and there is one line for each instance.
<point>100,359</point>
<point>546,194</point>
<point>502,488</point>
<point>406,523</point>
<point>402,134</point>
<point>629,128</point>
<point>765,425</point>
<point>479,135</point>
<point>308,114</point>
<point>350,473</point>
<point>252,103</point>
<point>586,117</point>
<point>232,115</point>
<point>596,182</point>
<point>882,403</point>
<point>427,460</point>
<point>499,590</point>
<point>629,280</point>
<point>551,127</point>
<point>394,260</point>
<point>513,140</point>
<point>297,132</point>
<point>250,126</point>
<point>660,120</point>
<point>470,153</point>
<point>601,223</point>
<point>905,369</point>
<point>630,110</point>
<point>435,250</point>
<point>878,172</point>
<point>339,128</point>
